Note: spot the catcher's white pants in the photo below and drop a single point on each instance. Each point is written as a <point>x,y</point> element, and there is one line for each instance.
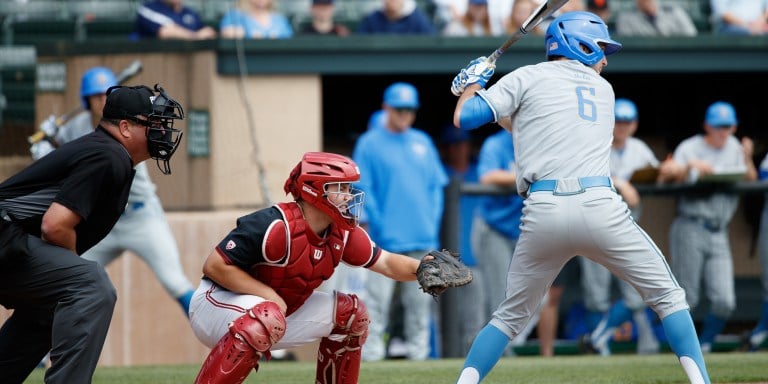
<point>593,223</point>
<point>213,308</point>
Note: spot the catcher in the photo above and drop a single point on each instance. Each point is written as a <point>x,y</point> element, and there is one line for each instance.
<point>258,289</point>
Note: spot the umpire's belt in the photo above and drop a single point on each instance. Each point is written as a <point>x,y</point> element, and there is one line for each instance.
<point>570,186</point>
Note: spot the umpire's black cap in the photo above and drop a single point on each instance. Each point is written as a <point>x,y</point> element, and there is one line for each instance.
<point>128,102</point>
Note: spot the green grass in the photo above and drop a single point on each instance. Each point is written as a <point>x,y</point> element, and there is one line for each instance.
<point>625,369</point>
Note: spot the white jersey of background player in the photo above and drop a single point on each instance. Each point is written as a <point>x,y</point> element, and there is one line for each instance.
<point>562,112</point>
<point>142,228</point>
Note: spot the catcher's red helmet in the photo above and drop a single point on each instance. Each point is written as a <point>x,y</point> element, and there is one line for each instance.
<point>310,179</point>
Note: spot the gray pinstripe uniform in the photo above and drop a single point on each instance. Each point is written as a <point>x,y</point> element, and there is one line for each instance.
<point>763,236</point>
<point>699,243</point>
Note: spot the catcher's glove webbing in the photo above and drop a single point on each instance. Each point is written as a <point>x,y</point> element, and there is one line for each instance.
<point>443,271</point>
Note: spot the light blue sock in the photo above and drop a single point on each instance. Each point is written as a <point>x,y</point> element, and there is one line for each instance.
<point>713,326</point>
<point>184,300</point>
<point>618,314</point>
<point>487,349</point>
<point>762,325</point>
<point>681,335</point>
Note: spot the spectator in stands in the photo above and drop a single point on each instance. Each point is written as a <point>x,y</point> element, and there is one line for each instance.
<point>255,19</point>
<point>476,22</point>
<point>698,239</point>
<point>397,17</point>
<point>170,19</point>
<point>602,9</point>
<point>322,21</point>
<point>649,18</point>
<point>520,12</point>
<point>447,11</point>
<point>740,17</point>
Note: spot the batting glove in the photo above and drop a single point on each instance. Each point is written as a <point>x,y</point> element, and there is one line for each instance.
<point>40,149</point>
<point>477,72</point>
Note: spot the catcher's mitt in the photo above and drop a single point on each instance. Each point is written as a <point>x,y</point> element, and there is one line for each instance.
<point>443,271</point>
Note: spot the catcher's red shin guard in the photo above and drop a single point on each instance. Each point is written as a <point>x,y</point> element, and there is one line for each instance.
<point>250,336</point>
<point>338,362</point>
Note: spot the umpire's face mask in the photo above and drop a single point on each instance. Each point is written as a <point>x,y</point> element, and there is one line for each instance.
<point>162,138</point>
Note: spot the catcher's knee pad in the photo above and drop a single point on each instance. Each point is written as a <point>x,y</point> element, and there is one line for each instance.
<point>338,361</point>
<point>252,334</point>
<point>351,317</point>
<point>261,327</point>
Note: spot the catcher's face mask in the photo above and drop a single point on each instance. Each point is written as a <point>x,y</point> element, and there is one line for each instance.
<point>162,138</point>
<point>347,200</point>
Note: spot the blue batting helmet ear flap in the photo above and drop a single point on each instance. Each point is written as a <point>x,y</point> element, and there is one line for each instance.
<point>96,81</point>
<point>571,31</point>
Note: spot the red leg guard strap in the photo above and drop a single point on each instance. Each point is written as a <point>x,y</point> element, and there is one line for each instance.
<point>338,362</point>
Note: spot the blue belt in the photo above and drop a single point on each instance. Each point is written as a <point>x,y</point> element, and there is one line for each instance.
<point>584,182</point>
<point>708,224</point>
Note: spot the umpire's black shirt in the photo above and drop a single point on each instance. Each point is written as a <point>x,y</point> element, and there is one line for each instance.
<point>91,176</point>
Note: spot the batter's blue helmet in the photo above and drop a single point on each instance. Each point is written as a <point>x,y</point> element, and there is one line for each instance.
<point>96,81</point>
<point>570,31</point>
<point>401,95</point>
<point>625,110</point>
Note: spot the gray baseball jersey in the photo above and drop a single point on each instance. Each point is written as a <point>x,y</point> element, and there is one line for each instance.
<point>141,229</point>
<point>551,141</point>
<point>563,118</point>
<point>635,155</point>
<point>718,208</point>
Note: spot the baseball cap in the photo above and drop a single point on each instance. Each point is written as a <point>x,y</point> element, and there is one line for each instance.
<point>320,2</point>
<point>478,2</point>
<point>125,102</point>
<point>625,110</point>
<point>721,114</point>
<point>401,95</point>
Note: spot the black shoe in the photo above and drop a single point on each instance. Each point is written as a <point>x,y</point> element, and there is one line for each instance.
<point>586,347</point>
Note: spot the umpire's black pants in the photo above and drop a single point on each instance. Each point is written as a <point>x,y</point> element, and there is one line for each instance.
<point>62,303</point>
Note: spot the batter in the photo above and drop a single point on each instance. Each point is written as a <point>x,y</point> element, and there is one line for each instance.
<point>562,112</point>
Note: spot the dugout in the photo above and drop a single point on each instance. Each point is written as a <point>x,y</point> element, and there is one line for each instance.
<point>312,93</point>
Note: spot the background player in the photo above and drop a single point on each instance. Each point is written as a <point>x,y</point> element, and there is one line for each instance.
<point>403,179</point>
<point>628,154</point>
<point>562,110</point>
<point>756,337</point>
<point>698,238</point>
<point>258,289</point>
<point>56,209</point>
<point>142,228</point>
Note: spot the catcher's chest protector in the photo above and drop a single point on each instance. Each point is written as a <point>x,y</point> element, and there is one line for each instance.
<point>307,261</point>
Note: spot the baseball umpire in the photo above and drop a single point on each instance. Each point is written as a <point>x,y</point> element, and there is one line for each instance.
<point>142,228</point>
<point>56,209</point>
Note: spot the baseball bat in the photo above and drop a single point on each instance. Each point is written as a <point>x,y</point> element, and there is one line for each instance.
<point>126,74</point>
<point>545,10</point>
